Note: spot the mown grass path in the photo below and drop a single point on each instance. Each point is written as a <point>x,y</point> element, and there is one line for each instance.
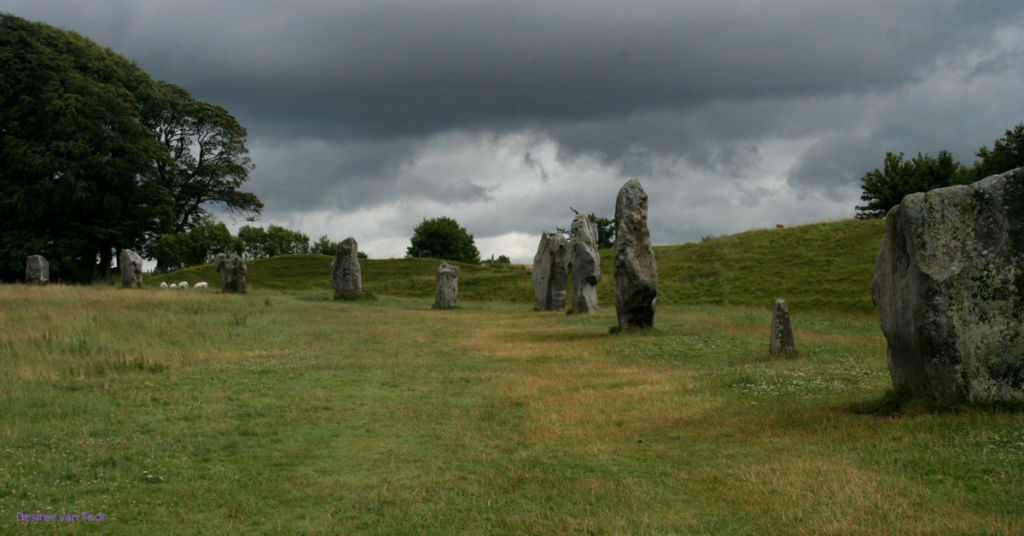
<point>275,413</point>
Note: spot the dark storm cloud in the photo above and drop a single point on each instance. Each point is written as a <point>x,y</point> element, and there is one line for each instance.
<point>409,68</point>
<point>339,97</point>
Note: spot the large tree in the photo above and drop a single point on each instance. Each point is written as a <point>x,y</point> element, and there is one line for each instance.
<point>885,188</point>
<point>74,155</point>
<point>208,161</point>
<point>442,238</point>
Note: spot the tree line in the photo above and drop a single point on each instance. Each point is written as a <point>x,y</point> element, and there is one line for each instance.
<point>885,188</point>
<point>96,156</point>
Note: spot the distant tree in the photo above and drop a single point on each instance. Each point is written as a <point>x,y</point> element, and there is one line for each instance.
<point>442,238</point>
<point>258,243</point>
<point>884,189</point>
<point>324,246</point>
<point>502,259</point>
<point>198,246</point>
<point>1007,153</point>
<point>605,230</point>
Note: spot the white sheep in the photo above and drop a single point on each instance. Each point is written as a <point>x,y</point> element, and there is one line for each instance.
<point>163,285</point>
<point>173,285</point>
<point>201,284</point>
<point>183,285</point>
<point>780,226</point>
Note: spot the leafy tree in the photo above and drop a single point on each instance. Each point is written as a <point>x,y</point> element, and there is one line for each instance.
<point>1007,153</point>
<point>442,238</point>
<point>501,260</point>
<point>198,246</point>
<point>207,161</point>
<point>324,246</point>
<point>886,188</point>
<point>275,240</point>
<point>74,155</point>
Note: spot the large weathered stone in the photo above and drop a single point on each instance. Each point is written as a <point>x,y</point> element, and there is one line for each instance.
<point>131,269</point>
<point>346,276</point>
<point>551,272</point>
<point>37,270</point>
<point>447,286</point>
<point>584,264</point>
<point>949,288</point>
<point>232,271</point>
<point>781,342</point>
<point>636,273</point>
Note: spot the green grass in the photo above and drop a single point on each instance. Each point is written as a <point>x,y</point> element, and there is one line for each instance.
<point>819,267</point>
<point>293,413</point>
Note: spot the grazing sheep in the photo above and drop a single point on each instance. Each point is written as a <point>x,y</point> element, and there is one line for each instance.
<point>173,285</point>
<point>163,285</point>
<point>183,285</point>
<point>780,225</point>
<point>201,284</point>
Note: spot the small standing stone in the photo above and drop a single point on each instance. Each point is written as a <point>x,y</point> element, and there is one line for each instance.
<point>551,272</point>
<point>131,269</point>
<point>585,264</point>
<point>636,273</point>
<point>232,271</point>
<point>782,332</point>
<point>447,286</point>
<point>37,271</point>
<point>346,276</point>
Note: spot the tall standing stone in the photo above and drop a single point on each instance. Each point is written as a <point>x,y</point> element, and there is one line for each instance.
<point>949,288</point>
<point>584,264</point>
<point>551,272</point>
<point>636,273</point>
<point>447,286</point>
<point>781,342</point>
<point>131,269</point>
<point>232,271</point>
<point>37,270</point>
<point>346,276</point>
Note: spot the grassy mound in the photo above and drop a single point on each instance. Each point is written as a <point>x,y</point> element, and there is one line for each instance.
<point>822,266</point>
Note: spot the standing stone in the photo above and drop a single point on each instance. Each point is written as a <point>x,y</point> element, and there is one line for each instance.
<point>949,288</point>
<point>584,264</point>
<point>37,271</point>
<point>636,273</point>
<point>232,271</point>
<point>447,286</point>
<point>131,269</point>
<point>551,272</point>
<point>781,342</point>
<point>346,276</point>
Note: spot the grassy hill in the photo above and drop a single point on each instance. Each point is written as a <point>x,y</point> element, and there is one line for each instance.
<point>821,266</point>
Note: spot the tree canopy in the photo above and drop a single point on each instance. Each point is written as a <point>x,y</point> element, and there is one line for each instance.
<point>86,168</point>
<point>442,238</point>
<point>885,188</point>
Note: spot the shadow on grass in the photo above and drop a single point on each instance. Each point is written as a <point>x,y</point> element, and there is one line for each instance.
<point>895,404</point>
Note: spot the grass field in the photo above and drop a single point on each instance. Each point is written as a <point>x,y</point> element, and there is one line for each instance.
<point>286,412</point>
<point>821,267</point>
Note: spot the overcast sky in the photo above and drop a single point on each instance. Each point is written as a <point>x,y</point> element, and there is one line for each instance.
<point>364,118</point>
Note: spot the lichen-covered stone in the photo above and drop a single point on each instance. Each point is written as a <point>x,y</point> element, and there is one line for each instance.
<point>584,264</point>
<point>232,271</point>
<point>551,272</point>
<point>37,270</point>
<point>131,269</point>
<point>949,288</point>
<point>447,286</point>
<point>636,273</point>
<point>781,342</point>
<point>346,275</point>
